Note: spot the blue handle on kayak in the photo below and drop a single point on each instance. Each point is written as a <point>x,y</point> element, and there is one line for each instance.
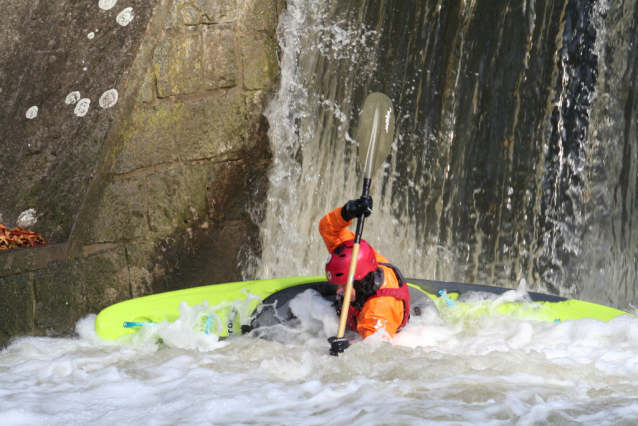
<point>444,295</point>
<point>136,324</point>
<point>209,319</point>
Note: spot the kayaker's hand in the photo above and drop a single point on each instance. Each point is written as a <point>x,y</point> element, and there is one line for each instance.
<point>355,208</point>
<point>338,345</point>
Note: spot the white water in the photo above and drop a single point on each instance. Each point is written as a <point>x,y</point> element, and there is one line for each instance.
<point>455,370</point>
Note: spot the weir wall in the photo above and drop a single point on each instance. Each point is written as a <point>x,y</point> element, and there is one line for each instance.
<point>160,191</point>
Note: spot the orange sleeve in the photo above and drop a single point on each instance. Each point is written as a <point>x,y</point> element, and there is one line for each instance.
<point>334,229</point>
<point>381,312</point>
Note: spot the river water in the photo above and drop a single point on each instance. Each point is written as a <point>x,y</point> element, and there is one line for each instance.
<point>515,161</point>
<point>459,369</point>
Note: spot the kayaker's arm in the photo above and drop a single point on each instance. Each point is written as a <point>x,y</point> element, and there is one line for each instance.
<point>333,229</point>
<point>380,313</point>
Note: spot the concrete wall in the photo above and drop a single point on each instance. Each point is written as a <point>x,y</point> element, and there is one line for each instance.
<point>159,192</point>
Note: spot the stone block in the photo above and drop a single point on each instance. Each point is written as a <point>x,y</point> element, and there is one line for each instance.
<point>17,301</point>
<point>210,127</point>
<point>258,15</point>
<point>107,280</point>
<point>205,256</point>
<point>15,261</point>
<point>216,11</point>
<point>147,91</point>
<point>228,191</point>
<point>196,12</point>
<point>60,295</point>
<point>177,63</point>
<point>146,140</point>
<point>141,267</point>
<point>259,61</point>
<point>221,66</point>
<point>122,212</point>
<point>177,197</point>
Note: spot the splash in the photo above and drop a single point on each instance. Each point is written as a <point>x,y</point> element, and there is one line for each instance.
<point>313,170</point>
<point>200,326</point>
<point>468,371</point>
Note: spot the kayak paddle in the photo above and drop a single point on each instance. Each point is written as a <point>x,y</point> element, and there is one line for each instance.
<point>376,132</point>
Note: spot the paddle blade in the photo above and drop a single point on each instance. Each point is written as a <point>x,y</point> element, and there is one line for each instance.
<point>375,132</point>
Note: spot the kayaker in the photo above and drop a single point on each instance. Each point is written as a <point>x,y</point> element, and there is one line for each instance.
<point>380,297</point>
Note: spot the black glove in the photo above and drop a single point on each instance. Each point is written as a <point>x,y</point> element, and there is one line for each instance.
<point>355,208</point>
<point>338,345</point>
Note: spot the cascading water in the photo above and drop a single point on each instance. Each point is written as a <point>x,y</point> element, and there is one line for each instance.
<point>515,148</point>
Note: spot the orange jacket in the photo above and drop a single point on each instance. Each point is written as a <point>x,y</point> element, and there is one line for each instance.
<point>379,312</point>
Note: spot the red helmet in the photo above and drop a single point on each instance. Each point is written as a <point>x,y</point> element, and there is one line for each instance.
<point>338,263</point>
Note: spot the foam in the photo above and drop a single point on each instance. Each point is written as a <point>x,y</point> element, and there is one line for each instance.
<point>469,366</point>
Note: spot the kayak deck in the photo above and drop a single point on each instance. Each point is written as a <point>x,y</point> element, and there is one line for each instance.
<point>126,318</point>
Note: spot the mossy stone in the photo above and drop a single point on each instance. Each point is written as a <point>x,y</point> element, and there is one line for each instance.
<point>221,65</point>
<point>178,66</point>
<point>122,213</point>
<point>259,61</point>
<point>210,127</point>
<point>177,197</point>
<point>258,15</point>
<point>147,139</point>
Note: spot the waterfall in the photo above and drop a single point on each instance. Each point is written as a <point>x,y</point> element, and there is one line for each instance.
<point>515,154</point>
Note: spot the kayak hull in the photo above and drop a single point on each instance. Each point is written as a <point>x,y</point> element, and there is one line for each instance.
<point>265,303</point>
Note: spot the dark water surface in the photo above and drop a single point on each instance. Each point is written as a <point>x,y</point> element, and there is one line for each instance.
<point>516,140</point>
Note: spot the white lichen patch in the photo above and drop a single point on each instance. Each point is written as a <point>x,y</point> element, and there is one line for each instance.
<point>125,16</point>
<point>1,218</point>
<point>32,112</point>
<point>72,98</point>
<point>91,35</point>
<point>82,107</point>
<point>27,218</point>
<point>107,4</point>
<point>108,98</point>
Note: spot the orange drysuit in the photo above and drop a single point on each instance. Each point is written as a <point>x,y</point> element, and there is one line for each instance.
<point>378,312</point>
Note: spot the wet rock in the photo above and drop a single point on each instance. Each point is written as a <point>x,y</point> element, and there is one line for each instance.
<point>16,306</point>
<point>107,280</point>
<point>147,139</point>
<point>178,66</point>
<point>210,127</point>
<point>122,212</point>
<point>258,15</point>
<point>61,296</point>
<point>177,197</point>
<point>259,59</point>
<point>220,59</point>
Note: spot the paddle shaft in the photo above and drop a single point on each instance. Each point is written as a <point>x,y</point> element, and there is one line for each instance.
<point>343,319</point>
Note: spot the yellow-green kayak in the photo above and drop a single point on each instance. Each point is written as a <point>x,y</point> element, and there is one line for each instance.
<point>234,308</point>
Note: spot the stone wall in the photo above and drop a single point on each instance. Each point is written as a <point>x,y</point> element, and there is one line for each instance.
<point>169,194</point>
